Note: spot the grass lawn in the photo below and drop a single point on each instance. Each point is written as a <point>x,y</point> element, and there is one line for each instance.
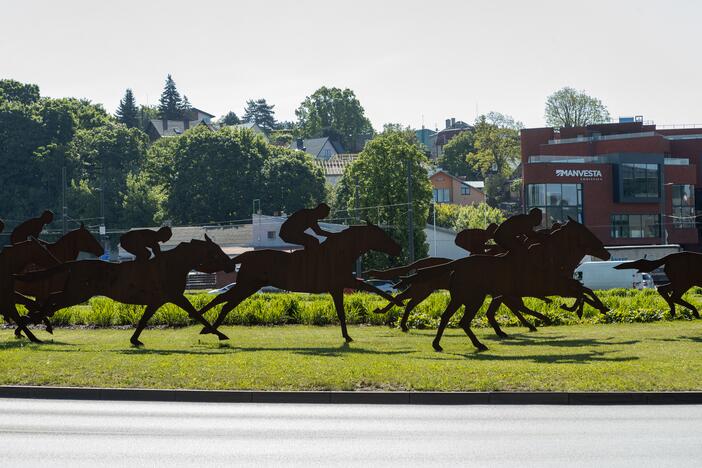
<point>652,356</point>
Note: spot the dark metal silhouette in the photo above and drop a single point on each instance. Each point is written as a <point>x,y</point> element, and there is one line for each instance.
<point>65,249</point>
<point>683,269</point>
<point>143,242</point>
<point>2,226</point>
<point>31,228</point>
<point>511,234</point>
<point>475,241</point>
<point>151,283</point>
<point>293,229</point>
<point>13,259</point>
<point>328,268</point>
<point>522,272</point>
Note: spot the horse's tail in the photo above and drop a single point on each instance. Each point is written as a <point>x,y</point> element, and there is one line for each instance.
<point>425,274</point>
<point>396,272</point>
<point>40,275</point>
<point>644,266</point>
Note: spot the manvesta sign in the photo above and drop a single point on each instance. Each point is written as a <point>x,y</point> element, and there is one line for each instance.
<point>586,174</point>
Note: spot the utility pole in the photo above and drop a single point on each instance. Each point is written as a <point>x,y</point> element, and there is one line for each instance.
<point>357,205</point>
<point>433,206</point>
<point>410,227</point>
<point>63,200</point>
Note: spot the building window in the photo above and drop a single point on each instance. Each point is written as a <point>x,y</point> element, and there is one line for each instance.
<point>683,206</point>
<point>326,153</point>
<point>442,195</point>
<point>635,226</point>
<point>556,201</point>
<point>271,234</point>
<point>465,189</point>
<point>640,181</point>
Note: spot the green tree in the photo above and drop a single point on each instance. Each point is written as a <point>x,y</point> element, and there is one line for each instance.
<point>170,104</point>
<point>261,113</point>
<point>127,112</point>
<point>568,107</point>
<point>455,154</point>
<point>459,217</point>
<point>230,119</point>
<point>215,175</point>
<point>146,114</point>
<point>380,175</point>
<point>292,180</point>
<point>24,93</point>
<point>335,113</point>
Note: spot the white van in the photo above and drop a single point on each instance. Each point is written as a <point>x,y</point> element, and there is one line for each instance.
<point>602,275</point>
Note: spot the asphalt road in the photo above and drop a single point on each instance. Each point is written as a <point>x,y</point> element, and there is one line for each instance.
<point>72,433</point>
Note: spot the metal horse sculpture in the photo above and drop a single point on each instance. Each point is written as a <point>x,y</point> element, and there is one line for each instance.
<point>151,283</point>
<point>683,269</point>
<point>517,274</point>
<point>326,268</point>
<point>13,259</point>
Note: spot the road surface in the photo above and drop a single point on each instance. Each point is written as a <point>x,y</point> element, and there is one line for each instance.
<point>49,433</point>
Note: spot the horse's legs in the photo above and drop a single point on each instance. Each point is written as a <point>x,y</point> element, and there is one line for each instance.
<point>676,297</point>
<point>184,303</point>
<point>400,297</point>
<point>233,298</point>
<point>409,308</point>
<point>338,297</point>
<point>472,306</point>
<point>451,309</point>
<point>148,313</point>
<point>591,298</point>
<point>666,291</point>
<point>13,315</point>
<point>490,314</point>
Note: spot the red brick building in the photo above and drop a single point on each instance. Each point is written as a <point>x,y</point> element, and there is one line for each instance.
<point>629,182</point>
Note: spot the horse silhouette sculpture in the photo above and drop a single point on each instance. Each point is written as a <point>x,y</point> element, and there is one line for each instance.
<point>151,283</point>
<point>326,268</point>
<point>14,259</point>
<point>530,272</point>
<point>65,249</point>
<point>683,269</point>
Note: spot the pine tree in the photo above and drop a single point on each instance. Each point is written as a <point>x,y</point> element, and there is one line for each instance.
<point>170,104</point>
<point>230,119</point>
<point>261,113</point>
<point>127,112</point>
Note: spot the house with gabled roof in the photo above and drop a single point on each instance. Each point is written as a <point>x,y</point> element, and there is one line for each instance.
<point>319,148</point>
<point>447,188</point>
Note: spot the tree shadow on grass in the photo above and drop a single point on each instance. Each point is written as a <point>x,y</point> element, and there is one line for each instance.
<point>576,358</point>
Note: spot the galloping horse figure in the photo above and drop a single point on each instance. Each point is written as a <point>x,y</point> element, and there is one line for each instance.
<point>326,268</point>
<point>65,249</point>
<point>151,283</point>
<point>14,259</point>
<point>683,269</point>
<point>533,273</point>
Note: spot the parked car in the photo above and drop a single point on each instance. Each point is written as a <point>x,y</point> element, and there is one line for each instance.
<point>602,275</point>
<point>384,285</point>
<point>223,289</point>
<point>271,289</point>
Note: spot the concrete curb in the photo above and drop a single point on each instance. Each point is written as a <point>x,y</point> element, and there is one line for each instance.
<point>384,398</point>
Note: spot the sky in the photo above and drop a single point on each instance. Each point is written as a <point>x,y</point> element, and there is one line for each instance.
<point>409,62</point>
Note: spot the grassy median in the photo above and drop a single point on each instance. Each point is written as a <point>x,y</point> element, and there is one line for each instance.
<point>664,355</point>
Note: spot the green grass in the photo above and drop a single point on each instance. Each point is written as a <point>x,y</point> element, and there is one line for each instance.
<point>664,355</point>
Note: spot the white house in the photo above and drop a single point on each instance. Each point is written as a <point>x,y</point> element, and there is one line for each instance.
<point>319,148</point>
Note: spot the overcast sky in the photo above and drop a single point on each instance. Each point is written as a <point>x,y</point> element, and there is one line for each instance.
<point>407,61</point>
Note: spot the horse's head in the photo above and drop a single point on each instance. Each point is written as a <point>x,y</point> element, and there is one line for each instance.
<point>377,239</point>
<point>86,242</point>
<point>585,239</point>
<point>211,258</point>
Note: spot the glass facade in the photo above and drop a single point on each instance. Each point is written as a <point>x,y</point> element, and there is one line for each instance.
<point>442,195</point>
<point>683,206</point>
<point>640,181</point>
<point>557,201</point>
<point>635,226</point>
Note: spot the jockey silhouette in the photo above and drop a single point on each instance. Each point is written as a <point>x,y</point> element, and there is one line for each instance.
<point>31,228</point>
<point>2,225</point>
<point>474,240</point>
<point>293,229</point>
<point>512,234</point>
<point>139,241</point>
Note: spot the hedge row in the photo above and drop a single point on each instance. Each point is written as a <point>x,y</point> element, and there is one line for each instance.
<point>307,309</point>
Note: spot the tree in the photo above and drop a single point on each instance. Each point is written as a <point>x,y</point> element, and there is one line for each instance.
<point>334,112</point>
<point>170,104</point>
<point>146,113</point>
<point>215,175</point>
<point>127,112</point>
<point>292,180</point>
<point>568,107</point>
<point>11,90</point>
<point>378,178</point>
<point>459,217</point>
<point>455,154</point>
<point>230,119</point>
<point>261,113</point>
